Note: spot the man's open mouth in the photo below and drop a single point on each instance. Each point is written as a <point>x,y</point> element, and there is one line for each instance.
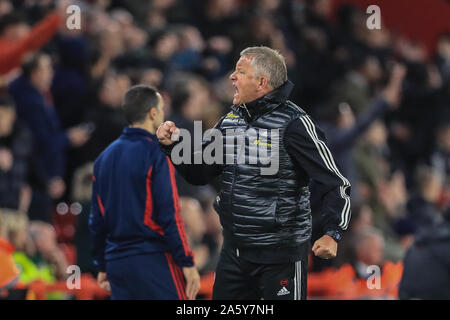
<point>236,90</point>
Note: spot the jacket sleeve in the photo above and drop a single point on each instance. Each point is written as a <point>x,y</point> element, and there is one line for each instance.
<point>11,54</point>
<point>307,147</point>
<point>167,210</point>
<point>97,227</point>
<point>196,174</point>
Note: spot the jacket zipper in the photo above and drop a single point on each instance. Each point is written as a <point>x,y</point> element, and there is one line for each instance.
<point>244,106</point>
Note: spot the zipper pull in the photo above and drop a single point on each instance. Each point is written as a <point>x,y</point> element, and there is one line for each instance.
<point>246,110</point>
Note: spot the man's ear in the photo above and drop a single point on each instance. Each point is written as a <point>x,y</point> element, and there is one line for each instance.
<point>263,83</point>
<point>152,113</point>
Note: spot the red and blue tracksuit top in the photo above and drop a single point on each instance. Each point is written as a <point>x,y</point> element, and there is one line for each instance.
<point>135,206</point>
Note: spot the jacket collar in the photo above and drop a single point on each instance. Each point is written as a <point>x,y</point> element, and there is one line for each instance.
<point>267,103</point>
<point>129,131</point>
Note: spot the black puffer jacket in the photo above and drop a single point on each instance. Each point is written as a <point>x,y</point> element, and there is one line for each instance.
<point>258,209</point>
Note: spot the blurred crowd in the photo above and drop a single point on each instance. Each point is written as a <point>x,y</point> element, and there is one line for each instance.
<point>382,100</point>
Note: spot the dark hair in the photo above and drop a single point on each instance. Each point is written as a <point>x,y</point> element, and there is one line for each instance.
<point>31,63</point>
<point>138,101</point>
<point>10,19</point>
<point>6,102</point>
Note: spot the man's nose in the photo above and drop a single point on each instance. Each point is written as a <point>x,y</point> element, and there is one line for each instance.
<point>232,76</point>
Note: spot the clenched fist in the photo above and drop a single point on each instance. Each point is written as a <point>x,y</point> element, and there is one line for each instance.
<point>167,133</point>
<point>325,247</point>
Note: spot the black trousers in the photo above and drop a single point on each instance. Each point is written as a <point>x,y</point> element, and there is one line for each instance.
<point>240,279</point>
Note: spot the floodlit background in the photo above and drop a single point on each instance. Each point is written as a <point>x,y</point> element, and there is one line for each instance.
<point>60,96</point>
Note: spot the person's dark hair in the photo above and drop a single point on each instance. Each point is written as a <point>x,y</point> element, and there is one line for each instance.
<point>6,102</point>
<point>138,101</point>
<point>10,19</point>
<point>157,35</point>
<point>30,64</point>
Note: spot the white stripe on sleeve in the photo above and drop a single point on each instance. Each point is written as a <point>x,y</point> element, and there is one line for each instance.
<point>327,158</point>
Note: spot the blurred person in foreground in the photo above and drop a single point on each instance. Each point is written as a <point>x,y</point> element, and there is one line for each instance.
<point>266,217</point>
<point>9,273</point>
<point>427,264</point>
<point>34,249</point>
<point>31,93</point>
<point>139,242</point>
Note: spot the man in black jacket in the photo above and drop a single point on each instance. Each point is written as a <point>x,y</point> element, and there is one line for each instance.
<point>265,212</point>
<point>426,271</point>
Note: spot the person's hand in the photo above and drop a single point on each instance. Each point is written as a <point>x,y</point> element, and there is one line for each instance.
<point>192,282</point>
<point>6,159</point>
<point>25,197</point>
<point>78,136</point>
<point>165,131</point>
<point>325,247</point>
<point>103,282</point>
<point>392,92</point>
<point>56,187</point>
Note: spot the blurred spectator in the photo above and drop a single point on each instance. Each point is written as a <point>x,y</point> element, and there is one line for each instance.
<point>369,247</point>
<point>44,238</point>
<point>15,150</point>
<point>383,190</point>
<point>357,86</point>
<point>33,101</point>
<point>344,129</point>
<point>81,193</point>
<point>412,129</point>
<point>71,80</point>
<point>213,234</point>
<point>9,272</point>
<point>361,220</point>
<point>192,215</point>
<point>5,7</point>
<point>372,162</point>
<point>105,116</point>
<point>36,254</point>
<point>215,17</point>
<point>422,206</point>
<point>17,38</point>
<point>440,158</point>
<point>192,101</point>
<point>405,229</point>
<point>442,58</point>
<point>427,264</point>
